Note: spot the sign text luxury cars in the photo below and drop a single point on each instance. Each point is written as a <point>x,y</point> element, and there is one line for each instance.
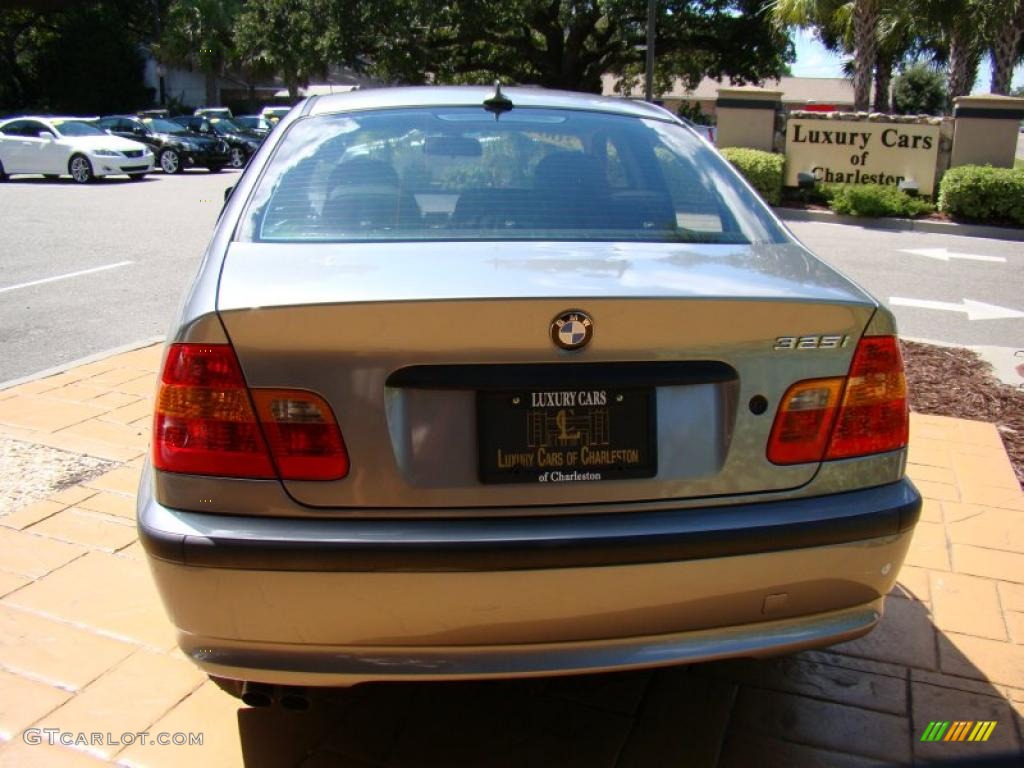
<point>861,152</point>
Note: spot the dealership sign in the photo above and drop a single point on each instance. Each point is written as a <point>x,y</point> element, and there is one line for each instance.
<point>861,152</point>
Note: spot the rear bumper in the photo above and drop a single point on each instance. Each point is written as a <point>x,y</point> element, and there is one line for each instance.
<point>308,665</point>
<point>310,544</point>
<point>326,602</point>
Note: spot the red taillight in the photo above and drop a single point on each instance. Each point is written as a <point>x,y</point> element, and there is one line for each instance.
<point>840,418</point>
<point>304,437</point>
<point>205,424</point>
<point>804,421</point>
<point>874,416</point>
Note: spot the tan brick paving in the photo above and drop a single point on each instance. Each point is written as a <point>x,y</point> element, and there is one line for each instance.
<point>982,659</point>
<point>989,562</point>
<point>23,702</point>
<point>33,556</point>
<point>9,582</point>
<point>913,584</point>
<point>121,505</point>
<point>21,755</point>
<point>92,529</point>
<point>111,593</point>
<point>31,514</point>
<point>967,604</point>
<point>55,652</point>
<point>1011,596</point>
<point>929,547</point>
<point>133,694</point>
<point>85,645</point>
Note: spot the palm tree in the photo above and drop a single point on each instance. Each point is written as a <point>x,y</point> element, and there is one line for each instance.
<point>898,39</point>
<point>955,34</point>
<point>1007,32</point>
<point>861,17</point>
<point>866,18</point>
<point>199,33</point>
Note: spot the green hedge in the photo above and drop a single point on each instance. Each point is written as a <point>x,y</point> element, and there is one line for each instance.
<point>762,169</point>
<point>873,200</point>
<point>983,192</point>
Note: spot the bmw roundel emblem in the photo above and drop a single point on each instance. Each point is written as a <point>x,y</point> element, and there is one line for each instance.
<point>572,329</point>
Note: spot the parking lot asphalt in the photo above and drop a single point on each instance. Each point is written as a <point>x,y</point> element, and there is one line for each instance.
<point>87,268</point>
<point>929,280</point>
<point>85,647</point>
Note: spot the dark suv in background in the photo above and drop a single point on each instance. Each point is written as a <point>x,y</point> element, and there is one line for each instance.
<point>242,144</point>
<point>175,147</point>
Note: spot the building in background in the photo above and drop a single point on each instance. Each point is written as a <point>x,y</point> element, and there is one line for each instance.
<point>797,93</point>
<point>187,87</point>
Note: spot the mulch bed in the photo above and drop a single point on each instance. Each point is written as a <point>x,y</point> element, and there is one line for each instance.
<point>952,381</point>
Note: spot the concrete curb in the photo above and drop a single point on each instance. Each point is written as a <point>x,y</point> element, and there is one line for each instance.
<point>903,225</point>
<point>64,367</point>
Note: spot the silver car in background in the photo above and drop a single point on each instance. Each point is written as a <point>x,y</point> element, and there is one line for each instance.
<point>475,383</point>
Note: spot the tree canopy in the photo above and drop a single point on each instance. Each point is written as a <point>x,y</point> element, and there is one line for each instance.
<point>48,53</point>
<point>290,37</point>
<point>554,43</point>
<point>50,60</point>
<point>571,43</point>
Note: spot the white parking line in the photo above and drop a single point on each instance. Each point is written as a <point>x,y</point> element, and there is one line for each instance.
<point>65,277</point>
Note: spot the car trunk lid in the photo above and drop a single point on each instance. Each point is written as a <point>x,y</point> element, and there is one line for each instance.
<point>401,339</point>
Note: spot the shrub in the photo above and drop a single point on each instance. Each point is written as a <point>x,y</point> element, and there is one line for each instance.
<point>762,169</point>
<point>983,192</point>
<point>919,89</point>
<point>875,200</point>
<point>819,194</point>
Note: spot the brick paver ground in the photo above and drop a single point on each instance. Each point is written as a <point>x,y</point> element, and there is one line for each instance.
<point>85,646</point>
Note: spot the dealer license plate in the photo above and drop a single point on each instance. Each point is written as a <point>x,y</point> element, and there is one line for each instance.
<point>566,435</point>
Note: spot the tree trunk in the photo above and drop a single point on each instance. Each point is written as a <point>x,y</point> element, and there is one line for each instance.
<point>964,57</point>
<point>1005,44</point>
<point>883,79</point>
<point>212,97</point>
<point>865,43</point>
<point>252,97</point>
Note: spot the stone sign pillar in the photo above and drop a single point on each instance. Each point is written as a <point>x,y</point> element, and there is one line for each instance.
<point>746,117</point>
<point>986,130</point>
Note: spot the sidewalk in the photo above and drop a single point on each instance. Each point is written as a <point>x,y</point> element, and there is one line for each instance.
<point>85,646</point>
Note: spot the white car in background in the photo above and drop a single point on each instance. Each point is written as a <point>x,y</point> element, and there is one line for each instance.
<point>274,114</point>
<point>67,146</point>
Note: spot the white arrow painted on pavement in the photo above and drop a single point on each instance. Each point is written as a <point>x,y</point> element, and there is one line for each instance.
<point>942,254</point>
<point>976,310</point>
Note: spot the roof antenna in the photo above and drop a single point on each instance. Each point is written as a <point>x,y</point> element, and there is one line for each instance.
<point>497,102</point>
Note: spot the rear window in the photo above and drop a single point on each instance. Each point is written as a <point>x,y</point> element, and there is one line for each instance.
<point>528,174</point>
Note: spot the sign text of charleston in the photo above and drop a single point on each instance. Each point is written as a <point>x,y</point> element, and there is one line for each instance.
<point>848,152</point>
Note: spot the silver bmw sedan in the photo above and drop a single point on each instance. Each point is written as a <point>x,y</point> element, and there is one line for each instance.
<point>480,383</point>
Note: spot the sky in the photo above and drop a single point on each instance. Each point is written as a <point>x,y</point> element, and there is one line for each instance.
<point>813,60</point>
